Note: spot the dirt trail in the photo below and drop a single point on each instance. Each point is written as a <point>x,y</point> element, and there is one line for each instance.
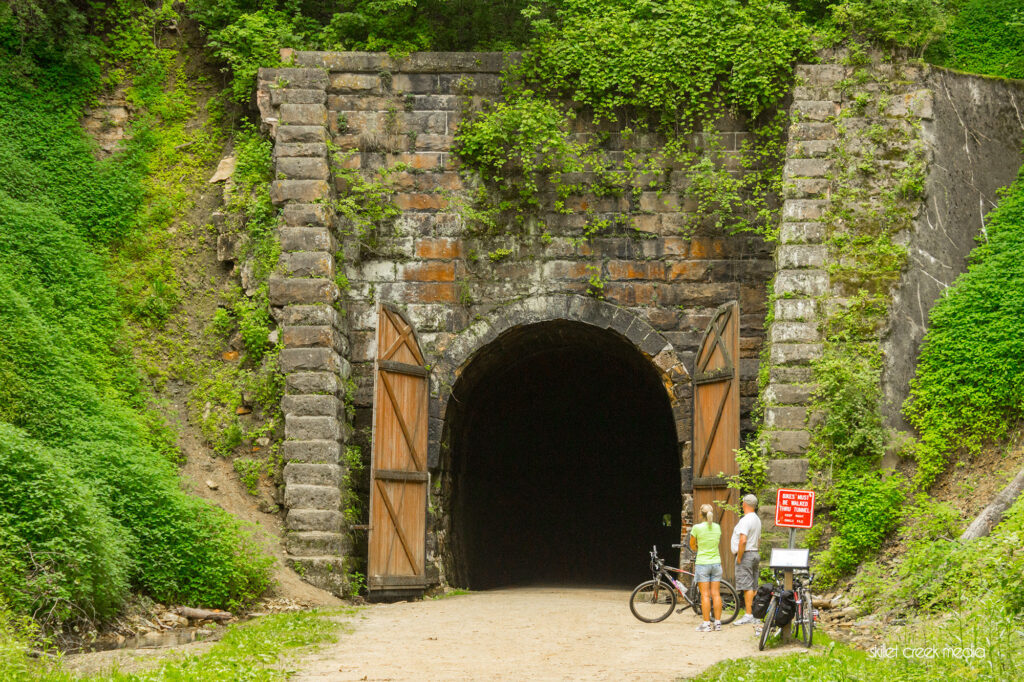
<point>524,634</point>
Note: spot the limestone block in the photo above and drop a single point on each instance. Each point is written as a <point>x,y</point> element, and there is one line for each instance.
<point>815,110</point>
<point>311,428</point>
<point>821,74</point>
<point>807,168</point>
<point>801,282</point>
<point>327,520</point>
<point>313,336</point>
<point>285,290</point>
<point>800,256</point>
<point>809,149</point>
<point>308,315</point>
<point>316,543</point>
<point>795,309</point>
<point>302,215</point>
<point>312,496</point>
<point>788,470</point>
<point>279,96</point>
<point>302,78</point>
<point>328,451</point>
<point>316,264</point>
<point>785,417</point>
<point>789,394</point>
<point>306,239</point>
<point>300,149</point>
<point>309,360</point>
<point>795,353</point>
<point>325,572</point>
<point>299,190</point>
<point>359,83</point>
<point>311,405</point>
<point>303,168</point>
<point>789,442</point>
<point>783,331</point>
<point>298,133</point>
<point>300,473</point>
<point>801,210</point>
<point>326,383</point>
<point>801,233</point>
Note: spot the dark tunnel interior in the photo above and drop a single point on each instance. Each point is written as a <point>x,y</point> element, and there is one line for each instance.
<point>563,461</point>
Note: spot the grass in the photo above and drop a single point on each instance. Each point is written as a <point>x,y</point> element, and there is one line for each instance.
<point>450,593</point>
<point>985,644</point>
<point>255,651</point>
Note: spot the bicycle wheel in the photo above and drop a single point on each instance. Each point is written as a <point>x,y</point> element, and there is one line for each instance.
<point>652,601</point>
<point>730,602</point>
<point>807,618</point>
<point>769,617</point>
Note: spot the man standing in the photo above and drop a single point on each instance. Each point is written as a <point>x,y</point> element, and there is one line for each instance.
<point>745,538</point>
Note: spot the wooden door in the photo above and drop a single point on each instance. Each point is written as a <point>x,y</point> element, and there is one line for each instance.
<point>716,422</point>
<point>398,462</point>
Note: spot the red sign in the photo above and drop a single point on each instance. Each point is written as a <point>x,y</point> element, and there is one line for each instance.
<point>794,508</point>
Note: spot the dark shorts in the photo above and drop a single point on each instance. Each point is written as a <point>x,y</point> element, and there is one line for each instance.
<point>748,571</point>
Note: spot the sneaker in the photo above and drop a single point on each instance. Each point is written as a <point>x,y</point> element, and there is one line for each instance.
<point>747,618</point>
<point>704,627</point>
<point>718,625</point>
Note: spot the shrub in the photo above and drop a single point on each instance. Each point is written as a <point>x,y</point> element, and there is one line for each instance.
<point>969,385</point>
<point>63,555</point>
<point>985,36</point>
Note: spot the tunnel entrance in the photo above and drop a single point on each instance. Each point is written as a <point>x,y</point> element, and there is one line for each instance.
<point>563,462</point>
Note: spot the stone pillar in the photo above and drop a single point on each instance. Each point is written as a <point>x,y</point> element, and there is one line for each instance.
<point>305,300</point>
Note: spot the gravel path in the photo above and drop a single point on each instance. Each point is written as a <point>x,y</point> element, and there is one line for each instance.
<point>524,634</point>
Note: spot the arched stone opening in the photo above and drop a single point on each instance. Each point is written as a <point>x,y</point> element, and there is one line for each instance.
<point>560,458</point>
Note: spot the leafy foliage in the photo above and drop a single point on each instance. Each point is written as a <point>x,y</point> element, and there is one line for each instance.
<point>970,376</point>
<point>985,36</point>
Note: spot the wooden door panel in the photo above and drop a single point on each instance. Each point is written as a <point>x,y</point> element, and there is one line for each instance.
<point>716,422</point>
<point>398,463</point>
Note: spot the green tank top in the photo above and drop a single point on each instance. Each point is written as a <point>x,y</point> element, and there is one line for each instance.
<point>707,542</point>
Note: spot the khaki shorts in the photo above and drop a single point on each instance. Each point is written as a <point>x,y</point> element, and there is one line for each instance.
<point>748,571</point>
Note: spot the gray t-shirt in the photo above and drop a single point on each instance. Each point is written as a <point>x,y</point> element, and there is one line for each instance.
<point>749,525</point>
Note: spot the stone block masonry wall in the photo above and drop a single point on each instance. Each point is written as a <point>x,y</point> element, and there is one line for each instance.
<point>304,297</point>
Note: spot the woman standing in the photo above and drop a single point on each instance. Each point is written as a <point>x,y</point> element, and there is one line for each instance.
<point>704,538</point>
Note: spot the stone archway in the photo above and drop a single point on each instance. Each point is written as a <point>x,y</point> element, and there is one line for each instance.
<point>560,427</point>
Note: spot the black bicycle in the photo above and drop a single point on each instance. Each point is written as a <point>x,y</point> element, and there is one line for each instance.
<point>653,601</point>
<point>803,616</point>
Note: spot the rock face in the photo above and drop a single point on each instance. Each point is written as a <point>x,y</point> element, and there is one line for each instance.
<point>339,118</point>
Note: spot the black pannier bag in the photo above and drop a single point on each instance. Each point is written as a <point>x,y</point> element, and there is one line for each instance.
<point>759,607</point>
<point>786,609</point>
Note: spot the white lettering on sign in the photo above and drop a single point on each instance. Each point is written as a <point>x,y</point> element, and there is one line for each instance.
<point>794,508</point>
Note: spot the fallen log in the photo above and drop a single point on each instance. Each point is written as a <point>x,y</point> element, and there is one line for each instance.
<point>202,614</point>
<point>991,515</point>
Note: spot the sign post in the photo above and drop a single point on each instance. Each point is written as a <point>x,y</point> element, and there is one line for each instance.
<point>793,509</point>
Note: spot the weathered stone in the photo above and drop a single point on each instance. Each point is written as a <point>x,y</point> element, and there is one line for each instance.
<point>783,331</point>
<point>300,473</point>
<point>287,78</point>
<point>796,309</point>
<point>295,133</point>
<point>286,290</point>
<point>299,190</point>
<point>800,256</point>
<point>310,360</point>
<point>808,168</point>
<point>326,572</point>
<point>311,405</point>
<point>301,149</point>
<point>801,233</point>
<point>312,496</point>
<point>313,336</point>
<point>788,394</point>
<point>801,282</point>
<point>306,239</point>
<point>316,544</point>
<point>328,451</point>
<point>815,110</point>
<point>311,428</point>
<point>327,520</point>
<point>789,442</point>
<point>785,417</point>
<point>788,470</point>
<point>314,264</point>
<point>308,315</point>
<point>305,215</point>
<point>325,383</point>
<point>229,246</point>
<point>795,353</point>
<point>304,168</point>
<point>279,96</point>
